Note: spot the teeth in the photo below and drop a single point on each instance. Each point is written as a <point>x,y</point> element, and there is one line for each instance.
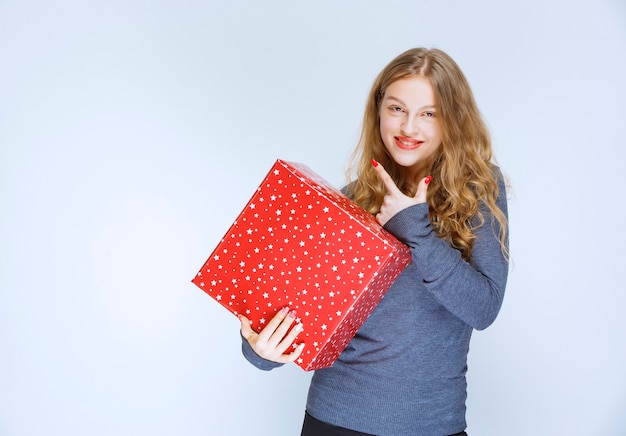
<point>409,143</point>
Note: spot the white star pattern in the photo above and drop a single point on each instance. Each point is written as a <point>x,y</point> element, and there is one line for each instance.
<point>329,261</point>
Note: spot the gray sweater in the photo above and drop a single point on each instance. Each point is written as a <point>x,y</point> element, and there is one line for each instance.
<point>404,371</point>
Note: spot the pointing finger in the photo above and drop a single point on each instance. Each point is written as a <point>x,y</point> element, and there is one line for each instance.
<point>385,178</point>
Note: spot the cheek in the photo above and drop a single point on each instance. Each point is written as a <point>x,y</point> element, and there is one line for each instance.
<point>386,126</point>
<point>386,133</point>
<point>434,134</point>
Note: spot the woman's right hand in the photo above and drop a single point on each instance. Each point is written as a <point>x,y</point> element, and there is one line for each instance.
<point>395,200</point>
<point>276,338</point>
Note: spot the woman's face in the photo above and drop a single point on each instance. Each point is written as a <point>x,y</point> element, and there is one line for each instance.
<point>408,124</point>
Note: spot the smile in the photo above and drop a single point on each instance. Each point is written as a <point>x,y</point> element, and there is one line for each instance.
<point>407,143</point>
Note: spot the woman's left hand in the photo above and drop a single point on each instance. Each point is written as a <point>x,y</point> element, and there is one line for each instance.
<point>395,200</point>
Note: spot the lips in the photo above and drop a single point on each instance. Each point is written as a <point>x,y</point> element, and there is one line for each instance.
<point>405,143</point>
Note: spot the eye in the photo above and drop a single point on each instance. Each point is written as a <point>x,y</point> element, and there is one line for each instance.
<point>396,109</point>
<point>428,115</point>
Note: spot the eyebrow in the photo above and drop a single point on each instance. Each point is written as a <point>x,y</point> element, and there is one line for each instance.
<point>391,97</point>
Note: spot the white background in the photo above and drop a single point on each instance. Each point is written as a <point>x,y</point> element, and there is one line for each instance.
<point>133,132</point>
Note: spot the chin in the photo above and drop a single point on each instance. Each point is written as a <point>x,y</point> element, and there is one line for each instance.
<point>407,163</point>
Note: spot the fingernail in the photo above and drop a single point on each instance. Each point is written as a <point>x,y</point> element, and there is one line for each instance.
<point>299,327</point>
<point>428,179</point>
<point>284,310</point>
<point>374,163</point>
<point>292,314</point>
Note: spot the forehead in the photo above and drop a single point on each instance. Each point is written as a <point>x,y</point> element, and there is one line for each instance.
<point>411,90</point>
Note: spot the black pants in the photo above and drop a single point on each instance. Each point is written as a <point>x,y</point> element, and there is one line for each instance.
<point>315,427</point>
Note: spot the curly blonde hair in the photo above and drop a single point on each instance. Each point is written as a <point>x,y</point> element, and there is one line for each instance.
<point>463,174</point>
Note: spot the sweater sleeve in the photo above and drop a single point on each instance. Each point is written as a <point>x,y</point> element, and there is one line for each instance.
<point>471,291</point>
<point>255,359</point>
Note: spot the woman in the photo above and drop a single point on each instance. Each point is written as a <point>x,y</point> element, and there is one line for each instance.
<point>423,167</point>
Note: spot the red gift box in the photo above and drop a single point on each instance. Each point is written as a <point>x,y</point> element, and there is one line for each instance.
<point>301,243</point>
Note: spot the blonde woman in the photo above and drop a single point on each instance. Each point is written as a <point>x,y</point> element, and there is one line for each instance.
<point>423,167</point>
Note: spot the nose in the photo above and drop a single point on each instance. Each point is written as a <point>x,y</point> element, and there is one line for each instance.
<point>410,126</point>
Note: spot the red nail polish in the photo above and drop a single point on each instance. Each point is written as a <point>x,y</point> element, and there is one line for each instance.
<point>374,163</point>
<point>428,179</point>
